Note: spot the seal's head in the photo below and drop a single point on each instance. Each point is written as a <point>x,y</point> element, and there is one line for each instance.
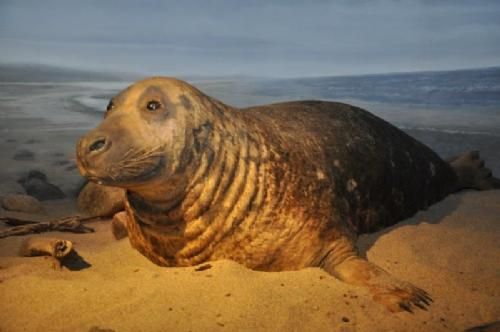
<point>147,134</point>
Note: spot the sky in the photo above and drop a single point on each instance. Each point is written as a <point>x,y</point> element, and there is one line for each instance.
<point>288,38</point>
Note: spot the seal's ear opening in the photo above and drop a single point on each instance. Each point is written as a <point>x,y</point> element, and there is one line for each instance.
<point>201,135</point>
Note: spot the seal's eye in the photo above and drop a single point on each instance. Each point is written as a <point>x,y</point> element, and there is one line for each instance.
<point>153,105</point>
<point>110,106</point>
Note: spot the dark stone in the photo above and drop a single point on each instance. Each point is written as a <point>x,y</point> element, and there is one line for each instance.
<point>36,174</point>
<point>36,185</point>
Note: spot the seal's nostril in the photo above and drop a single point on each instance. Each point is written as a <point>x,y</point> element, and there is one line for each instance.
<point>97,145</point>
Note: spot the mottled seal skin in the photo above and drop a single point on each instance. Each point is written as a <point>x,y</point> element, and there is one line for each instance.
<point>274,187</point>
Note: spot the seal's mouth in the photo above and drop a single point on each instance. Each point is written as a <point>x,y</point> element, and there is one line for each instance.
<point>123,177</point>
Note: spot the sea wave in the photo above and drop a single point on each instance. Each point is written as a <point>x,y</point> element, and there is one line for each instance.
<point>93,102</point>
<point>449,131</point>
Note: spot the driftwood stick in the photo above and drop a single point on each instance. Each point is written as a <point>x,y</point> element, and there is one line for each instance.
<point>14,221</point>
<point>67,224</point>
<point>19,222</point>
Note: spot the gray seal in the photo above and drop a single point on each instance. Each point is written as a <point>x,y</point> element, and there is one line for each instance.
<point>274,187</point>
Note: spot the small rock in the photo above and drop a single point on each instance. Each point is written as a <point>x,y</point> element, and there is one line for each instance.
<point>101,201</point>
<point>43,190</point>
<point>22,203</point>
<point>24,155</point>
<point>36,185</point>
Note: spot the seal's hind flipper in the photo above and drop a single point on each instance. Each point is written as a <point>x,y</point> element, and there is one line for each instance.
<point>471,172</point>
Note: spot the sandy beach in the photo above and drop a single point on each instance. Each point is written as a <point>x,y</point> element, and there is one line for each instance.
<point>451,250</point>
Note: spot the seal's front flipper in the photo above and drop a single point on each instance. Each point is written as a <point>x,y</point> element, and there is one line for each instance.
<point>395,294</point>
<point>119,225</point>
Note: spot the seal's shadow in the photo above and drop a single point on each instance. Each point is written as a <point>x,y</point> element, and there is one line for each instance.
<point>75,262</point>
<point>432,215</point>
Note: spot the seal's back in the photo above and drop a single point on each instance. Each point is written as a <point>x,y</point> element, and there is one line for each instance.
<point>379,174</point>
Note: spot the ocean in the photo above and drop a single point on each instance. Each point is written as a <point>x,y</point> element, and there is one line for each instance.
<point>451,112</point>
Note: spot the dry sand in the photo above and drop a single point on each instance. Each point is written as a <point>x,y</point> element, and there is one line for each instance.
<point>451,250</point>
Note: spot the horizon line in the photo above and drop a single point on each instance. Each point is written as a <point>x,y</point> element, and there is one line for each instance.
<point>197,76</point>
